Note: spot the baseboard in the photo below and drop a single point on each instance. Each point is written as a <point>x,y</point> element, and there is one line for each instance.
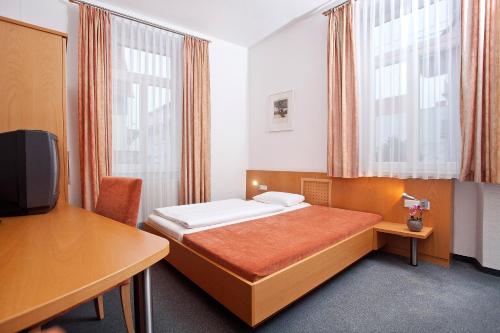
<point>478,265</point>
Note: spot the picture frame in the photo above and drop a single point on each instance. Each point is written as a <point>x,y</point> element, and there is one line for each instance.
<point>280,111</point>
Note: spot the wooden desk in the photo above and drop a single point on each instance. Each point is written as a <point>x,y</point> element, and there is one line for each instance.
<point>402,230</point>
<point>52,262</point>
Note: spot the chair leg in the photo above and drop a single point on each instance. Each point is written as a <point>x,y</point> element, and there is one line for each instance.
<point>127,307</point>
<point>99,307</point>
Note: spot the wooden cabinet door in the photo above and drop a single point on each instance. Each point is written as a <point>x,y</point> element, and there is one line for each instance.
<point>32,84</point>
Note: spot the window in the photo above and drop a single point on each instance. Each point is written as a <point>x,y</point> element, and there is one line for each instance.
<point>147,108</point>
<point>407,58</point>
<point>146,99</point>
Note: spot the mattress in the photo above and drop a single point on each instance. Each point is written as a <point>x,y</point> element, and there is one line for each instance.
<point>258,248</point>
<point>177,231</point>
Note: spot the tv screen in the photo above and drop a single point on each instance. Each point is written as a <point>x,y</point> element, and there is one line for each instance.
<point>29,172</point>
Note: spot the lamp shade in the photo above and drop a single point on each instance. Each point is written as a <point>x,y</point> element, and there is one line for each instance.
<point>408,197</point>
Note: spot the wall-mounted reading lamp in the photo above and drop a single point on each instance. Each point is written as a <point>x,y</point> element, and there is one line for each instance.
<point>412,201</point>
<point>260,187</point>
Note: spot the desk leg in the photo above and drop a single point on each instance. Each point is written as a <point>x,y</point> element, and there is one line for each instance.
<point>142,302</point>
<point>414,251</point>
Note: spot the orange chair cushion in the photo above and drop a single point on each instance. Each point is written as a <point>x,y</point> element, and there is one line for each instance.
<point>119,199</point>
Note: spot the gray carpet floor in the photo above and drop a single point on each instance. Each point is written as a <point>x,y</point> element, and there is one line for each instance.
<point>380,293</point>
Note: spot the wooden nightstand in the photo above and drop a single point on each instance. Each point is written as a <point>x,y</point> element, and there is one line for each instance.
<point>402,230</point>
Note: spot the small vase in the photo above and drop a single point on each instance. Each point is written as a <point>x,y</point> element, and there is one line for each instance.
<point>415,224</point>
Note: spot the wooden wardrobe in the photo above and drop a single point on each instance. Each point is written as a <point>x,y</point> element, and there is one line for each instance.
<point>33,84</point>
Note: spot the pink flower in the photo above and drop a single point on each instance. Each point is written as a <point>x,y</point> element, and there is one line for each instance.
<point>416,211</point>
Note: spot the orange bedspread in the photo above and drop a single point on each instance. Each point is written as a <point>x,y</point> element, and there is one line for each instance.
<point>260,247</point>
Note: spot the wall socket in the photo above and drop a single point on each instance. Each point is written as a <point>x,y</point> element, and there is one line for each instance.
<point>426,204</point>
<point>262,187</point>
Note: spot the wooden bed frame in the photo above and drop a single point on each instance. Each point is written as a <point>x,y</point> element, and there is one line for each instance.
<point>253,302</point>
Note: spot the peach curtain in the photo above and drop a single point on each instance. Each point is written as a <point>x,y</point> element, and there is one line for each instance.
<point>480,92</point>
<point>195,158</point>
<point>94,100</point>
<point>342,156</point>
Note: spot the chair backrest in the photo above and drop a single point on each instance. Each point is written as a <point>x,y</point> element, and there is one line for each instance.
<point>119,199</point>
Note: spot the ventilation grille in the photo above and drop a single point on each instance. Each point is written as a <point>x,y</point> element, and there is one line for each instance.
<point>317,191</point>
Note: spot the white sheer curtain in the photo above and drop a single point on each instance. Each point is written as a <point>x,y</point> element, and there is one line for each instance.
<point>407,62</point>
<point>147,110</point>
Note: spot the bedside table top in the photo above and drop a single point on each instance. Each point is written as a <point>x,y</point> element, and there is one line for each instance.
<point>402,230</point>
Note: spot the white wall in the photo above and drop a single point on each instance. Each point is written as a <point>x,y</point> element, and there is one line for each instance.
<point>229,95</point>
<point>490,256</point>
<point>476,231</point>
<point>228,67</point>
<point>466,209</point>
<point>293,58</point>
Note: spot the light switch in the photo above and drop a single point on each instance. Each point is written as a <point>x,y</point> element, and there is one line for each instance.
<point>262,187</point>
<point>426,204</point>
<point>411,203</point>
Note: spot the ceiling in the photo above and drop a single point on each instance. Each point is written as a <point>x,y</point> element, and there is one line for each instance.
<point>243,22</point>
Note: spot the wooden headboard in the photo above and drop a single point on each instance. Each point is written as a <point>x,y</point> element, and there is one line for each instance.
<point>374,195</point>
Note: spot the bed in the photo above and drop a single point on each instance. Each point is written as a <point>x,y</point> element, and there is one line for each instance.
<point>255,266</point>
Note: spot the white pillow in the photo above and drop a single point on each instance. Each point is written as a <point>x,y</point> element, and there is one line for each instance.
<point>279,198</point>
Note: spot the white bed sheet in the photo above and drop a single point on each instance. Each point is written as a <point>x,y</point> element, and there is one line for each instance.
<point>177,231</point>
<point>215,212</point>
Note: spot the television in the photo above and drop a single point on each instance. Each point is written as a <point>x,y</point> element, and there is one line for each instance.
<point>29,172</point>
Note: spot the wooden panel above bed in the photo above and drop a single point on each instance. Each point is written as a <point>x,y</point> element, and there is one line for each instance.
<point>381,196</point>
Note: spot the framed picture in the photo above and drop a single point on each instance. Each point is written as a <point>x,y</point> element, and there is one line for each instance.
<point>281,110</point>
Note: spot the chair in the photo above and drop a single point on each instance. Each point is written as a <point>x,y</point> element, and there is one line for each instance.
<point>119,199</point>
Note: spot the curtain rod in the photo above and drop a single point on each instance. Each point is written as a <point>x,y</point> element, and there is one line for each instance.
<point>135,19</point>
<point>326,12</point>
